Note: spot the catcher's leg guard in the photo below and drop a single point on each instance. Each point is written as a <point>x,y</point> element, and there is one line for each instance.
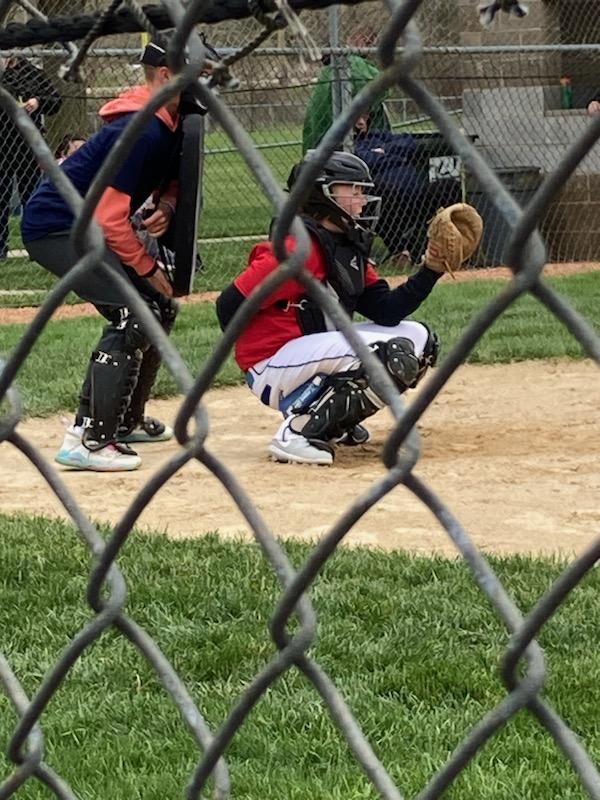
<point>355,436</point>
<point>167,311</point>
<point>346,401</point>
<point>114,371</point>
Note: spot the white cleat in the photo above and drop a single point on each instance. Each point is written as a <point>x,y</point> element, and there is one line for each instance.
<point>111,458</point>
<point>293,448</point>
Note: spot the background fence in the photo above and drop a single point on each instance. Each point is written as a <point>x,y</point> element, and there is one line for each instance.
<point>503,85</point>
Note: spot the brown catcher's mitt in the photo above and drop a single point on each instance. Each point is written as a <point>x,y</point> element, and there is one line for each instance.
<point>452,237</point>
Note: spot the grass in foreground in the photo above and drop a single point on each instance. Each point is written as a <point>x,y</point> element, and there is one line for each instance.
<point>51,377</point>
<point>411,643</point>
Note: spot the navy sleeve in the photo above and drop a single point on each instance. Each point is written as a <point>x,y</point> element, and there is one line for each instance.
<point>386,306</point>
<point>228,303</point>
<point>128,177</point>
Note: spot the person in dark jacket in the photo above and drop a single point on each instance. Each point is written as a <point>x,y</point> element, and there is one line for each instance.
<point>31,87</point>
<point>408,198</point>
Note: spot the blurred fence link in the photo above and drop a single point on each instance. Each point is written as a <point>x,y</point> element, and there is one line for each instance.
<point>522,664</point>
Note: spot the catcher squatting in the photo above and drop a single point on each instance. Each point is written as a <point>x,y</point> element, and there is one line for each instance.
<point>294,359</point>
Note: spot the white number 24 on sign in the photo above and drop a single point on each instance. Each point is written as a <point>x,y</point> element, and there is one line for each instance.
<point>444,167</point>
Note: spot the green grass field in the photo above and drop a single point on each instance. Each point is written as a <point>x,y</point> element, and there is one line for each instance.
<point>525,331</point>
<point>410,642</point>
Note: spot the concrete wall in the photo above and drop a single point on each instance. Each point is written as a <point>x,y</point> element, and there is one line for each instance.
<point>540,26</point>
<point>516,129</point>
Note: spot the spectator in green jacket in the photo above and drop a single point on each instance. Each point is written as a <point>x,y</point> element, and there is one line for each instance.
<point>319,113</point>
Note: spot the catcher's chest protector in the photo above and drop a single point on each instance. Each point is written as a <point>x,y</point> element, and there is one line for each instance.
<point>345,263</point>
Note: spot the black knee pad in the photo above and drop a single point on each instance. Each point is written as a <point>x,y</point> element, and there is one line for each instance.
<point>165,309</point>
<point>405,367</point>
<point>169,309</point>
<point>399,357</point>
<point>134,336</point>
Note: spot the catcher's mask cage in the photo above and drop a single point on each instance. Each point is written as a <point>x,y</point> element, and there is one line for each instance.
<point>341,169</point>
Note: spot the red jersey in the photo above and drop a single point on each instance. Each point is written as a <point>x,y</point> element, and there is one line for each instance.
<point>272,327</point>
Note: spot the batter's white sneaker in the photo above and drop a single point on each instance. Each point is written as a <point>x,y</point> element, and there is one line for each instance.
<point>289,447</point>
<point>112,458</point>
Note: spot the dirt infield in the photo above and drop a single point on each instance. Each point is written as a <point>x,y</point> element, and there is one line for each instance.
<point>513,450</point>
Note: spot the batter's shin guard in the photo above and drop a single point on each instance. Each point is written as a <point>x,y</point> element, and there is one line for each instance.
<point>134,415</point>
<point>114,375</point>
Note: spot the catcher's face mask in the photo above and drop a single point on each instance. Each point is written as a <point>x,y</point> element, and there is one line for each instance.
<point>356,201</point>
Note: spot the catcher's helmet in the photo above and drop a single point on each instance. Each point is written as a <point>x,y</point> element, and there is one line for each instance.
<point>340,167</point>
<point>155,53</point>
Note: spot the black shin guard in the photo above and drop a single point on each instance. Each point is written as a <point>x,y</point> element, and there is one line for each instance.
<point>346,401</point>
<point>151,360</point>
<point>113,375</point>
<point>113,379</point>
<point>134,414</point>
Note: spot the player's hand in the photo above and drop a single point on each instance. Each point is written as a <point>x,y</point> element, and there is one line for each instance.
<point>593,108</point>
<point>158,222</point>
<point>31,105</point>
<point>160,281</point>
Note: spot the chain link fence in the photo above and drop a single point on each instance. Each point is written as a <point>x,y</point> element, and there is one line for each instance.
<point>522,664</point>
<point>519,89</point>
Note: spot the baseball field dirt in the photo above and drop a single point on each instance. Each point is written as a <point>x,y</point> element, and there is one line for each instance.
<point>514,451</point>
